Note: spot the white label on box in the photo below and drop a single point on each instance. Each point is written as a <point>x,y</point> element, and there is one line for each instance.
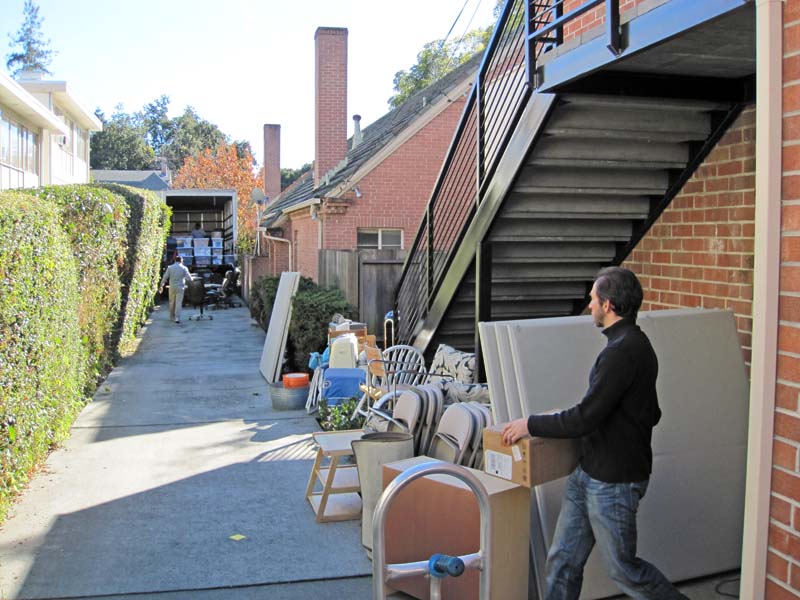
<point>515,452</point>
<point>497,463</point>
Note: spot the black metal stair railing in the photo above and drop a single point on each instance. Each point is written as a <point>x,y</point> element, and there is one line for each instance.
<point>498,98</point>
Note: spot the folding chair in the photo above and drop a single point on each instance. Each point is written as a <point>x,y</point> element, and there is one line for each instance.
<point>454,434</point>
<point>399,367</point>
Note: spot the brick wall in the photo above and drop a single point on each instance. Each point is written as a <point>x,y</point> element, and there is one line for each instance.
<point>783,555</point>
<point>596,17</point>
<point>330,104</point>
<point>394,194</point>
<point>700,251</point>
<point>303,231</point>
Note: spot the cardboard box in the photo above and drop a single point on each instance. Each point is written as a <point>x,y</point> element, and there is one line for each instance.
<point>439,513</point>
<point>531,461</point>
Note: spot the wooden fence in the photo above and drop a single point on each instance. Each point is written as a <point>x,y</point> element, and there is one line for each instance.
<point>367,278</point>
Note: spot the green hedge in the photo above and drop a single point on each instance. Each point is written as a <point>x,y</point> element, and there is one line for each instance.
<point>42,357</point>
<point>312,309</point>
<point>79,267</point>
<point>148,228</point>
<point>95,221</point>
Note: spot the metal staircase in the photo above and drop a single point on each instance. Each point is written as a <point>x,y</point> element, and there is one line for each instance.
<point>579,179</point>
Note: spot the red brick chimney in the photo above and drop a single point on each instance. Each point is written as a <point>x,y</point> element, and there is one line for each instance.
<point>272,160</point>
<point>330,99</point>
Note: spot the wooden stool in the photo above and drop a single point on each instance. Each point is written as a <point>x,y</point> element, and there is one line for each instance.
<point>339,499</point>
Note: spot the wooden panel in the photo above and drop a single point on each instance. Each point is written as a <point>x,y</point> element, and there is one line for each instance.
<point>339,269</point>
<point>379,272</point>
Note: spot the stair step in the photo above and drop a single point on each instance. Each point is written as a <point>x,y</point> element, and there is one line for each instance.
<point>600,163</point>
<point>509,309</point>
<point>634,119</point>
<point>550,147</point>
<point>578,230</point>
<point>551,252</point>
<point>688,104</point>
<point>583,272</point>
<point>585,180</point>
<point>566,206</point>
<point>518,291</point>
<point>584,133</point>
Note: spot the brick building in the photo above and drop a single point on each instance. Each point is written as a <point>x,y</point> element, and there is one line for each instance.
<point>368,191</point>
<point>727,239</point>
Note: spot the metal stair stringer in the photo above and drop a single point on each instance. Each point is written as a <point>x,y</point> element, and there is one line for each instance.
<point>529,127</point>
<point>593,184</point>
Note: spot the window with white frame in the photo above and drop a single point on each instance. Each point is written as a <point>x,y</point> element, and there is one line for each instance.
<point>380,239</point>
<point>19,146</point>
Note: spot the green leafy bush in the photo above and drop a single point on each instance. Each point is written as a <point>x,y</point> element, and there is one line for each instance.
<point>262,296</point>
<point>95,221</point>
<point>312,309</point>
<point>338,416</point>
<point>148,227</point>
<point>42,357</point>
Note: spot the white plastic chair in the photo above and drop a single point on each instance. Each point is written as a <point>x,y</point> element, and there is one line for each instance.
<point>398,368</point>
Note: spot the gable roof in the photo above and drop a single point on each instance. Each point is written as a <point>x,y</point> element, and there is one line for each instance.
<point>148,180</point>
<point>375,137</point>
<point>300,190</point>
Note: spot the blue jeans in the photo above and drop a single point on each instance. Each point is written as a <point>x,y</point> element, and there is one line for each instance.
<point>594,511</point>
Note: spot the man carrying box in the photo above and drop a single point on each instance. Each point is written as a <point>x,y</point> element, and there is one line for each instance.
<point>614,422</point>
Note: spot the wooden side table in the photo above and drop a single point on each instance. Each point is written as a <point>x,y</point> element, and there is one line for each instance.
<point>338,500</point>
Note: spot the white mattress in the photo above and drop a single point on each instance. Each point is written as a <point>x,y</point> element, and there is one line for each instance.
<point>690,521</point>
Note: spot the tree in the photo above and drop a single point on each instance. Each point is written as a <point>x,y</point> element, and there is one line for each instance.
<point>34,53</point>
<point>436,60</point>
<point>190,135</point>
<point>157,124</point>
<point>439,57</point>
<point>223,168</point>
<point>121,144</point>
<point>243,149</point>
<point>288,176</point>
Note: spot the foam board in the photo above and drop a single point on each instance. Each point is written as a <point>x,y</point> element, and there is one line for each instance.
<point>278,329</point>
<point>690,521</point>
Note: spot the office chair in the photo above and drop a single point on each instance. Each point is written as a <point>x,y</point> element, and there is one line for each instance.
<point>197,297</point>
<point>224,295</point>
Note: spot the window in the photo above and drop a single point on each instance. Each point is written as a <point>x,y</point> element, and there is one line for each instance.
<point>19,147</point>
<point>379,238</point>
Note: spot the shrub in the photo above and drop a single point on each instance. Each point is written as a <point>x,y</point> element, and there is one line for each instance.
<point>262,296</point>
<point>338,417</point>
<point>42,357</point>
<point>95,221</point>
<point>148,227</point>
<point>312,309</point>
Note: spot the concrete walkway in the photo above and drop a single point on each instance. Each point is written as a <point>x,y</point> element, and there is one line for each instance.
<point>180,450</point>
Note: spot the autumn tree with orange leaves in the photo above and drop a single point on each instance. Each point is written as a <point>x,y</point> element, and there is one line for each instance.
<point>219,169</point>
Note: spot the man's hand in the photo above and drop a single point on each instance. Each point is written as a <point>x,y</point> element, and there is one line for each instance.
<point>161,290</point>
<point>515,430</point>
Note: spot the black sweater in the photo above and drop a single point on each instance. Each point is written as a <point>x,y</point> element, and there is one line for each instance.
<point>616,417</point>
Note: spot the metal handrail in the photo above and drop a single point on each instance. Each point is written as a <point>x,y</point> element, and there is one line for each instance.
<point>505,80</point>
<point>383,574</point>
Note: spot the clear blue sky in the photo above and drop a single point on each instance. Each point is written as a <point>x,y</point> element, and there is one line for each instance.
<point>240,63</point>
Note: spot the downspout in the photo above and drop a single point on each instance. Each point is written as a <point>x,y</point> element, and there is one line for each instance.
<point>766,287</point>
<point>277,239</point>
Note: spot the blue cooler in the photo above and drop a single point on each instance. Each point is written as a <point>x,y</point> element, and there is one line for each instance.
<point>339,385</point>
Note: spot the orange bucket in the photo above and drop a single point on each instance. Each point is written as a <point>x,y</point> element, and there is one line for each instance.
<point>295,380</point>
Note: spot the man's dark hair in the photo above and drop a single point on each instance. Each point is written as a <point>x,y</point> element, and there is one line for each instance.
<point>178,258</point>
<point>197,225</point>
<point>621,288</point>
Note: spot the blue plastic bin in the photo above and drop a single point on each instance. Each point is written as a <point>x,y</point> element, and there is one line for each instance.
<point>339,385</point>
